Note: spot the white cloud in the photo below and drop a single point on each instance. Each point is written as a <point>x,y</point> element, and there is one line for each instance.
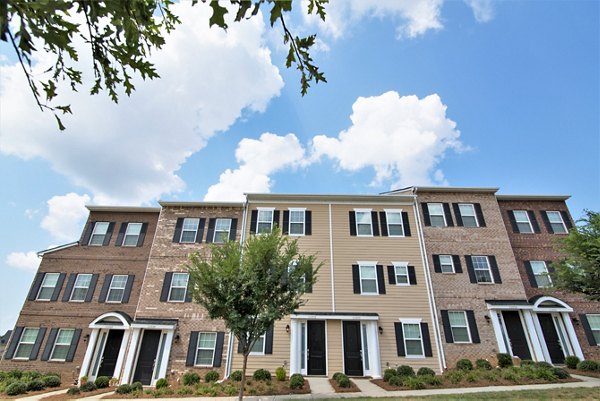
<point>130,153</point>
<point>23,260</point>
<point>66,215</point>
<point>483,10</point>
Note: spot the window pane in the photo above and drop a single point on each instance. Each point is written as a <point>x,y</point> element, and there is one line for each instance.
<point>466,210</point>
<point>457,319</point>
<point>207,340</point>
<point>118,282</point>
<point>594,321</point>
<point>521,216</point>
<point>460,334</point>
<point>259,345</point>
<point>364,229</point>
<point>446,264</point>
<point>188,236</point>
<point>50,280</point>
<point>367,271</point>
<point>412,331</point>
<point>297,216</point>
<point>363,218</point>
<point>177,294</point>
<point>29,335</point>
<point>65,336</point>
<point>265,215</point>
<point>24,351</point>
<point>191,224</point>
<point>413,348</point>
<point>221,237</point>
<point>435,209</point>
<point>297,228</point>
<point>115,295</point>
<point>263,228</point>
<point>401,275</point>
<point>100,229</point>
<point>179,280</point>
<point>538,267</point>
<point>45,293</point>
<point>369,286</point>
<point>437,221</point>
<point>60,352</point>
<point>204,357</point>
<point>223,224</point>
<point>79,294</point>
<point>394,218</point>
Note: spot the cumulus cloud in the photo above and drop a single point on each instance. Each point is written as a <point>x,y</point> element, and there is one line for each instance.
<point>66,215</point>
<point>23,260</point>
<point>483,10</point>
<point>130,153</point>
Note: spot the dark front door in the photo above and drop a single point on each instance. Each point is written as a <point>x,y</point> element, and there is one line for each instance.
<point>111,353</point>
<point>516,335</point>
<point>316,348</point>
<point>551,338</point>
<point>146,357</point>
<point>352,349</point>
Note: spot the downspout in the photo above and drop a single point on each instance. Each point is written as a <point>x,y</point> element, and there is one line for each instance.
<point>331,261</point>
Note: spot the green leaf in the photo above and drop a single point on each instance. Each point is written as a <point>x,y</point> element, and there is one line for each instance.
<point>218,15</point>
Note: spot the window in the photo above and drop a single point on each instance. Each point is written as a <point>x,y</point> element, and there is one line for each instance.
<point>363,223</point>
<point>62,344</point>
<point>413,343</point>
<point>98,234</point>
<point>401,271</point>
<point>459,326</point>
<point>205,352</point>
<point>540,272</point>
<point>222,227</point>
<point>47,288</point>
<point>178,288</point>
<point>556,222</point>
<point>189,230</point>
<point>436,214</point>
<point>594,322</point>
<point>522,220</point>
<point>264,223</point>
<point>132,234</point>
<point>467,213</point>
<point>446,264</point>
<point>26,342</point>
<point>117,288</point>
<point>292,266</point>
<point>481,266</point>
<point>394,223</point>
<point>259,346</point>
<point>297,218</point>
<point>368,279</point>
<point>81,286</point>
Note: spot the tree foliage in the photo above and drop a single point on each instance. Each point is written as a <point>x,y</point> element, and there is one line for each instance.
<point>121,36</point>
<point>251,286</point>
<point>580,270</point>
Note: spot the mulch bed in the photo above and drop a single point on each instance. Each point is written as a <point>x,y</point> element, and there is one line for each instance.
<point>30,393</point>
<point>352,389</point>
<point>480,383</point>
<point>65,396</point>
<point>583,373</point>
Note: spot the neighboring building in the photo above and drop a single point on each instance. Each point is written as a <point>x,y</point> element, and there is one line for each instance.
<point>4,342</point>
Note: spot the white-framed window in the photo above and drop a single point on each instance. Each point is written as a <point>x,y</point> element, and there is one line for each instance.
<point>363,223</point>
<point>459,326</point>
<point>26,342</point>
<point>62,344</point>
<point>395,225</point>
<point>481,266</point>
<point>594,322</point>
<point>297,221</point>
<point>437,217</point>
<point>292,266</point>
<point>557,223</point>
<point>413,340</point>
<point>467,214</point>
<point>205,352</point>
<point>222,227</point>
<point>264,222</point>
<point>81,287</point>
<point>540,272</point>
<point>523,223</point>
<point>446,264</point>
<point>99,233</point>
<point>178,290</point>
<point>401,272</point>
<point>132,234</point>
<point>116,289</point>
<point>47,287</point>
<point>259,346</point>
<point>368,278</point>
<point>189,230</point>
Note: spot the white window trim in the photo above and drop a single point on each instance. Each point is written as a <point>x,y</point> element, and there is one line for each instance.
<point>387,221</point>
<point>110,287</point>
<point>25,358</point>
<point>432,214</point>
<point>75,287</point>
<point>474,213</point>
<point>451,264</point>
<point>489,269</point>
<point>401,264</point>
<point>374,266</point>
<point>368,211</point>
<point>133,235</point>
<point>181,241</point>
<point>556,222</point>
<point>264,209</point>
<point>56,343</point>
<point>417,322</point>
<point>37,298</point>
<point>297,209</point>
<point>547,273</point>
<point>221,231</point>
<point>94,233</point>
<point>466,325</point>
<point>198,348</point>
<point>264,337</point>
<point>171,288</point>
<point>528,222</point>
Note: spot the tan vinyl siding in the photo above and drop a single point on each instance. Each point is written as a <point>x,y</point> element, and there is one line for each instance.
<point>335,356</point>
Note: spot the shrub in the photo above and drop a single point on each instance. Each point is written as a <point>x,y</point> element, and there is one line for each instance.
<point>387,374</point>
<point>124,389</point>
<point>30,375</point>
<point>432,380</point>
<point>464,364</point>
<point>543,365</point>
<point>425,372</point>
<point>190,378</point>
<point>102,381</point>
<point>89,386</point>
<point>344,381</point>
<point>472,377</point>
<point>455,376</point>
<point>161,383</point>
<point>262,374</point>
<point>296,381</point>
<point>336,376</point>
<point>74,390</point>
<point>185,390</point>
<point>483,364</point>
<point>504,360</point>
<point>236,376</point>
<point>280,374</point>
<point>546,374</point>
<point>590,366</point>
<point>527,363</point>
<point>571,362</point>
<point>16,388</point>
<point>212,376</point>
<point>491,376</point>
<point>414,383</point>
<point>512,376</point>
<point>137,386</point>
<point>561,373</point>
<point>395,380</point>
<point>15,374</point>
<point>405,370</point>
<point>35,385</point>
<point>51,381</point>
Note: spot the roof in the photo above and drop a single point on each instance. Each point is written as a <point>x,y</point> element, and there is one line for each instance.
<point>416,189</point>
<point>57,248</point>
<point>329,198</point>
<point>200,204</point>
<point>126,209</point>
<point>532,197</point>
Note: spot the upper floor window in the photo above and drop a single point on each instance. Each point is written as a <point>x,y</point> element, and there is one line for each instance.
<point>446,264</point>
<point>222,227</point>
<point>62,344</point>
<point>99,233</point>
<point>594,323</point>
<point>116,289</point>
<point>468,215</point>
<point>297,221</point>
<point>395,225</point>
<point>363,223</point>
<point>81,286</point>
<point>413,341</point>
<point>401,272</point>
<point>436,214</point>
<point>189,230</point>
<point>264,222</point>
<point>132,234</point>
<point>26,343</point>
<point>481,266</point>
<point>556,222</point>
<point>179,283</point>
<point>47,287</point>
<point>541,274</point>
<point>522,221</point>
<point>368,279</point>
<point>459,327</point>
<point>205,352</point>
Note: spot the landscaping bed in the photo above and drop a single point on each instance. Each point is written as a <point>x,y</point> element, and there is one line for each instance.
<point>65,396</point>
<point>17,383</point>
<point>342,383</point>
<point>584,368</point>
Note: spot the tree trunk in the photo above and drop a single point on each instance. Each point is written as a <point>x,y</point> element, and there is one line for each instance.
<point>243,382</point>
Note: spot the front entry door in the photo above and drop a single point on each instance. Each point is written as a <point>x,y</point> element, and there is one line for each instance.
<point>352,349</point>
<point>516,335</point>
<point>147,357</point>
<point>316,348</point>
<point>551,338</point>
<point>111,353</point>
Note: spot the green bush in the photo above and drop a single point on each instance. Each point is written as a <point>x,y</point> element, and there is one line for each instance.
<point>161,383</point>
<point>280,374</point>
<point>483,364</point>
<point>405,370</point>
<point>425,372</point>
<point>387,374</point>
<point>344,382</point>
<point>336,376</point>
<point>527,363</point>
<point>74,390</point>
<point>137,386</point>
<point>561,373</point>
<point>30,375</point>
<point>89,386</point>
<point>571,362</point>
<point>504,360</point>
<point>296,381</point>
<point>395,380</point>
<point>35,385</point>
<point>190,378</point>
<point>464,364</point>
<point>185,390</point>
<point>490,375</point>
<point>16,388</point>
<point>455,376</point>
<point>236,376</point>
<point>51,381</point>
<point>414,383</point>
<point>546,374</point>
<point>512,376</point>
<point>262,374</point>
<point>589,366</point>
<point>212,376</point>
<point>543,365</point>
<point>431,380</point>
<point>14,374</point>
<point>102,381</point>
<point>124,389</point>
<point>472,377</point>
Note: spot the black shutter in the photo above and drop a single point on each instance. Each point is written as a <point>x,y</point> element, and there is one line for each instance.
<point>547,221</point>
<point>210,234</point>
<point>69,288</point>
<point>495,271</point>
<point>412,276</point>
<point>269,341</point>
<point>192,347</point>
<point>253,221</point>
<point>109,231</point>
<point>380,279</point>
<point>276,218</point>
<point>383,221</point>
<point>239,347</point>
<point>90,292</point>
<point>470,269</point>
<point>105,287</point>
<point>530,274</point>
<point>356,279</point>
<point>142,236</point>
<point>549,266</point>
<point>457,265</point>
<point>473,327</point>
<point>14,340</point>
<point>457,214</point>
<point>286,222</point>
<point>85,240</point>
<point>392,274</point>
<point>399,339</point>
<point>308,222</point>
<point>566,219</point>
<point>200,231</point>
<point>449,221</point>
<point>219,349</point>
<point>375,223</point>
<point>188,292</point>
<point>447,327</point>
<point>233,230</point>
<point>121,235</point>
<point>49,344</point>
<point>426,340</point>
<point>479,214</point>
<point>406,224</point>
<point>426,218</point>
<point>73,347</point>
<point>513,221</point>
<point>59,283</point>
<point>164,294</point>
<point>437,266</point>
<point>128,286</point>
<point>35,286</point>
<point>178,227</point>
<point>352,216</point>
<point>534,222</point>
<point>38,343</point>
<point>588,330</point>
<point>309,278</point>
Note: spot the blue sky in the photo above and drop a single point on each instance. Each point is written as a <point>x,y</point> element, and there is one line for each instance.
<point>475,93</point>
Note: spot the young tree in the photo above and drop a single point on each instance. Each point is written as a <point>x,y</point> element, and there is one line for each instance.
<point>251,286</point>
<point>580,270</point>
